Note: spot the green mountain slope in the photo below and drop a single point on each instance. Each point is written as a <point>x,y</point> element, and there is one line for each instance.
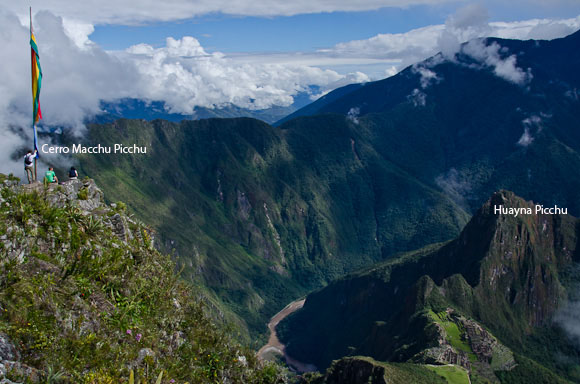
<point>86,298</point>
<point>315,107</point>
<point>457,125</point>
<point>508,274</point>
<point>552,65</point>
<point>261,215</point>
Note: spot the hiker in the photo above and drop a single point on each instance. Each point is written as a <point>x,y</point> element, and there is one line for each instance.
<point>29,166</point>
<point>50,176</point>
<point>73,174</point>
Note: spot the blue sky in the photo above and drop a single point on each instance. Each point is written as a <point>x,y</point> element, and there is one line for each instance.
<point>308,32</point>
<point>228,33</point>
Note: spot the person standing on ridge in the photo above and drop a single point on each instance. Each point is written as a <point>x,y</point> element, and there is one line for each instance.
<point>29,166</point>
<point>73,174</point>
<point>50,176</point>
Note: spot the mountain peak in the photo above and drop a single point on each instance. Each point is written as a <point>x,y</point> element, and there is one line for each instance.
<point>503,272</point>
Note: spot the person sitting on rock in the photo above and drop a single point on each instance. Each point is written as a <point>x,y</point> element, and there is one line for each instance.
<point>29,166</point>
<point>50,176</point>
<point>73,174</point>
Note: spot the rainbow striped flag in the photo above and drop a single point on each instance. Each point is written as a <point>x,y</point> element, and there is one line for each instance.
<point>36,82</point>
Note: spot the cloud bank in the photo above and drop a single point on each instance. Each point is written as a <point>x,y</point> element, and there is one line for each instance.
<point>184,75</point>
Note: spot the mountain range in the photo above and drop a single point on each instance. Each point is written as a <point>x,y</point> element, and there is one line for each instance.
<point>498,300</point>
<point>467,127</point>
<point>129,108</point>
<point>376,205</point>
<point>263,214</point>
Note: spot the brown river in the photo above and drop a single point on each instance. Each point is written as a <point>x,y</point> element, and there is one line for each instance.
<point>275,346</point>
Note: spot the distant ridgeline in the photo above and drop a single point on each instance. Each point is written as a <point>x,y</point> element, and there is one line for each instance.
<point>150,110</point>
<point>494,301</point>
<point>262,215</point>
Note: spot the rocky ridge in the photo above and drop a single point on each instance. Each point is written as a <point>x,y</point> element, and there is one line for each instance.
<point>81,197</point>
<point>86,298</point>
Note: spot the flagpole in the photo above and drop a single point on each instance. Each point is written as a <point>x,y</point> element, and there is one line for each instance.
<point>33,122</point>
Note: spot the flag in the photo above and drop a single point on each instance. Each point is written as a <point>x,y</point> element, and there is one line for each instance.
<point>36,82</point>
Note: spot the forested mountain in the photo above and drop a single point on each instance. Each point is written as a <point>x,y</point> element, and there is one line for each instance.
<point>262,214</point>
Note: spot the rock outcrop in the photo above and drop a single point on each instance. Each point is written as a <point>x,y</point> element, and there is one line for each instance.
<point>81,197</point>
<point>364,370</point>
<point>356,371</point>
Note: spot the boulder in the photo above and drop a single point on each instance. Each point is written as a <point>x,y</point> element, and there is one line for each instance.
<point>7,350</point>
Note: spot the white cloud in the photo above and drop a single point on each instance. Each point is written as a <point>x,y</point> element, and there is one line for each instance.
<point>467,23</point>
<point>406,48</point>
<point>526,138</point>
<point>10,141</point>
<point>418,98</point>
<point>131,12</point>
<point>533,122</point>
<point>76,79</point>
<point>539,29</point>
<point>184,75</point>
<point>428,77</point>
<point>491,55</point>
<point>353,114</point>
<point>471,17</point>
<point>79,32</point>
<point>403,49</point>
<point>350,78</point>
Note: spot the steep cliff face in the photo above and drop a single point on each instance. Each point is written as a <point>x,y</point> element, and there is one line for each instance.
<point>86,298</point>
<point>512,264</point>
<point>501,274</point>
